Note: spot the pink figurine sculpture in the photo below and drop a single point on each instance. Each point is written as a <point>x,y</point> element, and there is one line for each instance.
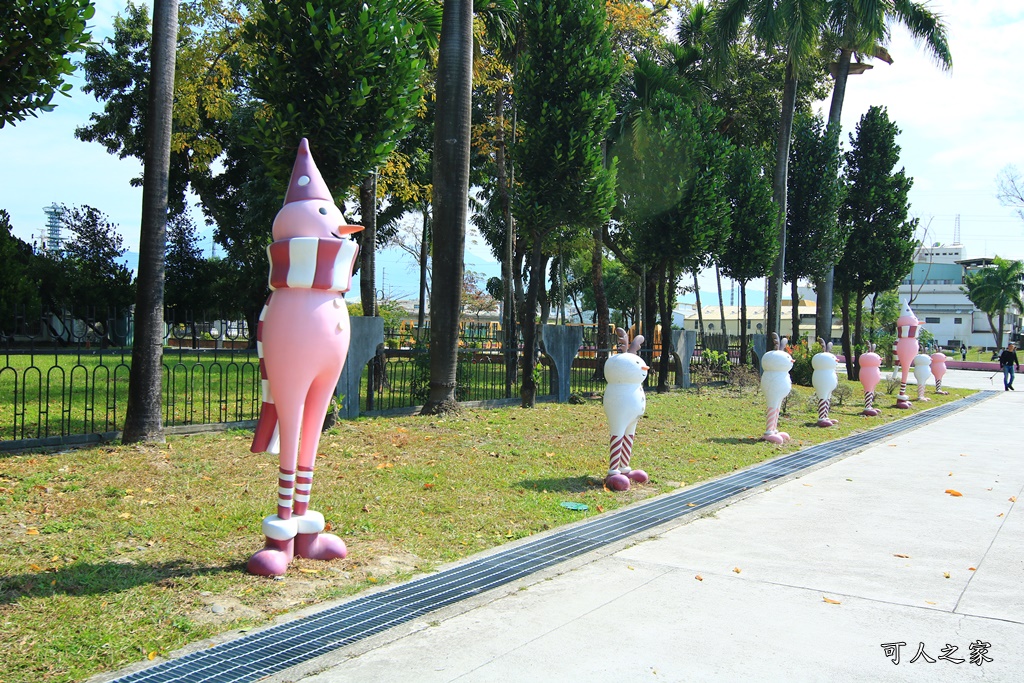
<point>907,329</point>
<point>922,371</point>
<point>825,381</point>
<point>624,404</point>
<point>938,370</point>
<point>776,385</point>
<point>870,376</point>
<point>302,340</point>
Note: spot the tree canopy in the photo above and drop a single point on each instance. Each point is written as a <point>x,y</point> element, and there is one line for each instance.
<point>38,41</point>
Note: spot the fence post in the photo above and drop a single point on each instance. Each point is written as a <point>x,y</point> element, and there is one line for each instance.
<point>367,333</point>
<point>759,343</point>
<point>685,342</point>
<point>560,343</point>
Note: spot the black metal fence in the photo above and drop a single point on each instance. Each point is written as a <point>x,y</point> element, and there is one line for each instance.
<point>64,377</point>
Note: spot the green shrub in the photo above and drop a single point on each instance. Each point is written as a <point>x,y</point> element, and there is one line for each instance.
<point>802,354</point>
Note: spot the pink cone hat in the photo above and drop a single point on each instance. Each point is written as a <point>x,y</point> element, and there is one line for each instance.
<point>306,181</point>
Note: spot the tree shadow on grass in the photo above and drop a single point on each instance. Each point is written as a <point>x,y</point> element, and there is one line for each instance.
<point>561,484</point>
<point>85,578</point>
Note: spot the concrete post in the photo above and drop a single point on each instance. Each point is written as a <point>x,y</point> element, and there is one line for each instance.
<point>367,333</point>
<point>685,342</point>
<point>561,343</point>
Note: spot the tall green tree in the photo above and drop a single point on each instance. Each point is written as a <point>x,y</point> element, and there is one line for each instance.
<point>563,82</point>
<point>863,29</point>
<point>880,250</point>
<point>92,250</point>
<point>995,290</point>
<point>39,39</point>
<point>346,75</point>
<point>749,252</point>
<point>143,417</point>
<point>187,283</point>
<point>16,287</point>
<point>450,199</point>
<point>792,27</point>
<point>815,236</point>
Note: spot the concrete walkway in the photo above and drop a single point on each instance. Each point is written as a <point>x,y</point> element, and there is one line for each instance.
<point>824,577</point>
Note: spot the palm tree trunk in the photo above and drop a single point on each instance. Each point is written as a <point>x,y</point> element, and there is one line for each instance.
<point>424,252</point>
<point>779,181</point>
<point>528,391</point>
<point>794,295</point>
<point>143,419</point>
<point>700,310</point>
<point>721,304</point>
<point>368,240</point>
<point>823,316</point>
<point>451,199</point>
<point>600,301</point>
<point>743,322</point>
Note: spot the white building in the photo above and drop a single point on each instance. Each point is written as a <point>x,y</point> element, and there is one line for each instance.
<point>933,289</point>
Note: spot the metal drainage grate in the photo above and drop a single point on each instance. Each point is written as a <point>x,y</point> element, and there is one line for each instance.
<point>280,647</point>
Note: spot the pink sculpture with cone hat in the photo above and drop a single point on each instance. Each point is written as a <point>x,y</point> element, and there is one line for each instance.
<point>302,340</point>
<point>870,375</point>
<point>908,327</point>
<point>624,405</point>
<point>939,371</point>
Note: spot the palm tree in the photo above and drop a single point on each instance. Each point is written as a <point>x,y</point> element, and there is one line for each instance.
<point>863,29</point>
<point>996,289</point>
<point>451,198</point>
<point>143,419</point>
<point>795,27</point>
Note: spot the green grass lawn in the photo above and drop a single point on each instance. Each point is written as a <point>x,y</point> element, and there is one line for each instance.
<point>116,554</point>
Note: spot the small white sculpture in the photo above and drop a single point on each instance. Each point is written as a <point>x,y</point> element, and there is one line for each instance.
<point>624,404</point>
<point>825,381</point>
<point>776,385</point>
<point>922,371</point>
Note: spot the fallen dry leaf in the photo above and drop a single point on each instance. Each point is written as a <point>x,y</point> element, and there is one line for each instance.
<point>736,569</point>
<point>831,601</point>
<point>1000,514</point>
<point>699,577</point>
<point>384,465</point>
<point>1013,499</point>
<point>309,571</point>
<point>600,508</point>
<point>35,567</point>
<point>900,555</point>
<point>972,569</point>
<point>630,568</point>
<point>152,655</point>
<point>954,493</point>
<point>930,602</point>
<point>691,505</point>
<point>428,485</point>
<point>32,531</point>
<point>125,515</point>
<point>946,574</point>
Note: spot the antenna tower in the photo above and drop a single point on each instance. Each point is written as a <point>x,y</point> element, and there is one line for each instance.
<point>52,241</point>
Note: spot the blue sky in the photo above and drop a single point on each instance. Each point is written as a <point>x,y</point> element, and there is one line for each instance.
<point>959,129</point>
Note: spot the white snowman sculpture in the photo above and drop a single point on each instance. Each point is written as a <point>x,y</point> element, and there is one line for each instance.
<point>776,385</point>
<point>825,381</point>
<point>922,372</point>
<point>624,404</point>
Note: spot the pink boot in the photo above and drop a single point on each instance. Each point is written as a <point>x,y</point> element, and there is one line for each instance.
<point>276,555</point>
<point>315,545</point>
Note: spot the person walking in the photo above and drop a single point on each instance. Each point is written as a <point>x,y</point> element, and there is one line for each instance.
<point>963,352</point>
<point>1007,362</point>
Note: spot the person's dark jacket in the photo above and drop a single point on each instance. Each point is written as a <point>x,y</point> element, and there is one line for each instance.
<point>1008,357</point>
